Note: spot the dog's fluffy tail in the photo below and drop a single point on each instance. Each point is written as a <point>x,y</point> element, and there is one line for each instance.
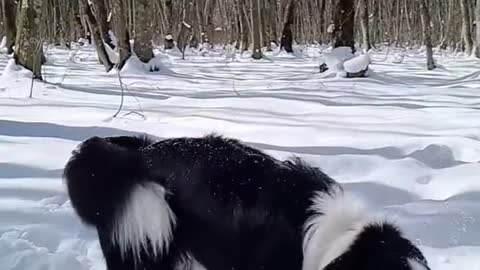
<point>108,185</point>
<point>101,173</point>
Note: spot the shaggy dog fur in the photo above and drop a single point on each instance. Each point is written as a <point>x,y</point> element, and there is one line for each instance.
<point>224,205</point>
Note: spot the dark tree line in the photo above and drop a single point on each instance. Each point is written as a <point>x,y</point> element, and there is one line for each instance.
<point>245,24</point>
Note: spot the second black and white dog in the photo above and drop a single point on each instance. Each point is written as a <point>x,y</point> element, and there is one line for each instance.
<point>215,201</point>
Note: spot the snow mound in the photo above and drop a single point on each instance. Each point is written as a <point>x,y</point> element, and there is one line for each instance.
<point>436,156</point>
<point>273,45</point>
<point>157,64</point>
<point>135,66</point>
<point>297,53</point>
<point>357,64</point>
<point>398,58</point>
<point>20,250</point>
<point>230,51</point>
<point>204,48</point>
<point>344,64</point>
<point>284,54</point>
<point>337,57</point>
<point>82,41</point>
<point>15,72</point>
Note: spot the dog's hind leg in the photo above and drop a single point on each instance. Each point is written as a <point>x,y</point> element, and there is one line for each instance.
<point>117,259</point>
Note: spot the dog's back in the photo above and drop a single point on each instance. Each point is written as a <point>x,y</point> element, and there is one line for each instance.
<point>221,201</point>
<point>216,200</point>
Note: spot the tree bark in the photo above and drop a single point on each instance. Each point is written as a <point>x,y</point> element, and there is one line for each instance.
<point>256,29</point>
<point>169,15</point>
<point>101,15</point>
<point>86,11</point>
<point>28,44</point>
<point>185,27</point>
<point>244,29</point>
<point>8,9</point>
<point>427,33</point>
<point>208,19</point>
<point>364,25</point>
<point>271,24</point>
<point>143,34</point>
<point>286,42</point>
<point>477,29</point>
<point>344,34</point>
<point>121,31</point>
<point>466,23</point>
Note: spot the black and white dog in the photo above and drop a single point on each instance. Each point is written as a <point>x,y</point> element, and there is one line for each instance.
<point>217,202</point>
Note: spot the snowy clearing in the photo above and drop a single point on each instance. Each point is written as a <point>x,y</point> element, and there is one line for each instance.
<point>406,139</point>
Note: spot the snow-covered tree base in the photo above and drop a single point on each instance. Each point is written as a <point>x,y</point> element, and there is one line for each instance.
<point>13,71</point>
<point>345,64</point>
<point>135,66</point>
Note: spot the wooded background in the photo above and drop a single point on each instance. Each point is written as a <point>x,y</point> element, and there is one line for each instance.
<point>245,24</point>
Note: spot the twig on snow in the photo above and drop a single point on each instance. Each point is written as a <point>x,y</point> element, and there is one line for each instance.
<point>233,87</point>
<point>123,93</point>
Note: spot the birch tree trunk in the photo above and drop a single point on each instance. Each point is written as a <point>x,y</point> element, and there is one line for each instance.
<point>28,44</point>
<point>143,33</point>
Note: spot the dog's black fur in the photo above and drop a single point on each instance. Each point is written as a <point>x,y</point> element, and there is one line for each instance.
<point>236,208</point>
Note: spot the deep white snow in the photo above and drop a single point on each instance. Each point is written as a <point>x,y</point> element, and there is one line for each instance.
<point>406,139</point>
<point>336,57</point>
<point>357,64</point>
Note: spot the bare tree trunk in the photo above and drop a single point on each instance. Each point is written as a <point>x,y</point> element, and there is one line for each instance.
<point>256,29</point>
<point>271,22</point>
<point>344,34</point>
<point>8,10</point>
<point>143,34</point>
<point>121,32</point>
<point>466,23</point>
<point>208,19</point>
<point>477,29</point>
<point>86,11</point>
<point>244,29</point>
<point>167,9</point>
<point>169,15</point>
<point>101,14</point>
<point>427,32</point>
<point>364,25</point>
<point>287,35</point>
<point>28,44</point>
<point>185,27</point>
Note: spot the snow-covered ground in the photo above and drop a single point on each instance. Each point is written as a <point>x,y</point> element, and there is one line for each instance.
<point>406,139</point>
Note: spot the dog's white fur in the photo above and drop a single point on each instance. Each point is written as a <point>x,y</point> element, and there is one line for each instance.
<point>337,221</point>
<point>146,222</point>
<point>415,265</point>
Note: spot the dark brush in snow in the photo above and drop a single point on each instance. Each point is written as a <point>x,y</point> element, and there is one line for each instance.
<point>215,202</point>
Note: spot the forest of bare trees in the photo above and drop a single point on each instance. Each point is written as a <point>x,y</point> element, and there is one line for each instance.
<point>245,24</point>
